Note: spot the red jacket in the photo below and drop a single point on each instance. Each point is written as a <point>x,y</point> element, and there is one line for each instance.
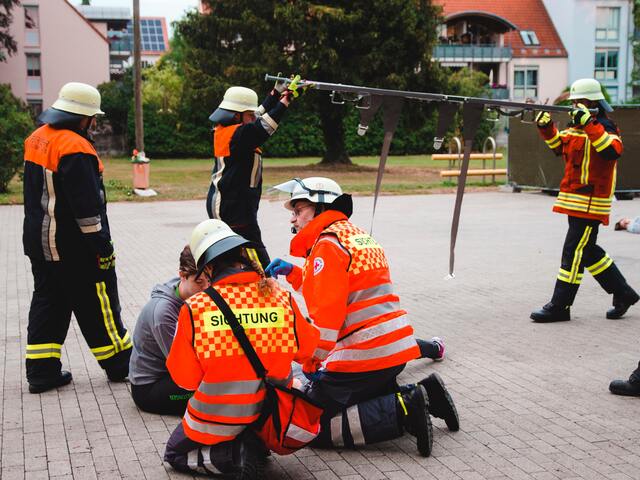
<point>206,357</point>
<point>347,288</point>
<point>590,155</point>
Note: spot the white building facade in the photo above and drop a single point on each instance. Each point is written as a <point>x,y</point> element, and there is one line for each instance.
<point>597,36</point>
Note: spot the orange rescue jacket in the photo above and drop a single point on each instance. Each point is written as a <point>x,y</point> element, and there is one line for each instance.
<point>589,178</point>
<point>347,287</point>
<point>206,357</point>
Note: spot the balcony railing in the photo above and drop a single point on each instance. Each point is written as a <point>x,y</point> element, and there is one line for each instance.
<point>472,53</point>
<point>499,93</point>
<point>123,47</point>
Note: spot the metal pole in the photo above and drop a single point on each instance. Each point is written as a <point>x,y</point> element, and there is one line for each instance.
<point>137,83</point>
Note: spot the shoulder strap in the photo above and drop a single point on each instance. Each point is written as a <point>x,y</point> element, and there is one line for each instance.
<point>238,332</point>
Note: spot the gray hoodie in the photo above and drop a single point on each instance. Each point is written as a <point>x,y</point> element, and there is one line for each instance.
<point>153,335</point>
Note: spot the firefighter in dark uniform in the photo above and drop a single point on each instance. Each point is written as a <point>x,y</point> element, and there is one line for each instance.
<point>236,181</point>
<point>590,147</point>
<point>66,236</point>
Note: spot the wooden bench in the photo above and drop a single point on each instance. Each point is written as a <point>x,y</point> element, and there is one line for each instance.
<point>474,172</point>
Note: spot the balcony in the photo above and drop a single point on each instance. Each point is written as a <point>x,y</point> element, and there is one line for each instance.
<point>472,53</point>
<point>499,93</point>
<point>121,47</point>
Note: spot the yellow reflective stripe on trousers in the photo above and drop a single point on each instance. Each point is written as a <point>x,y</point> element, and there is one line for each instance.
<point>565,276</point>
<point>43,350</point>
<point>601,265</point>
<point>577,256</point>
<point>107,315</point>
<point>102,353</point>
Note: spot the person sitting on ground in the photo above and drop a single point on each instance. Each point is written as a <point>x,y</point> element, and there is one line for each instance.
<point>215,435</point>
<point>366,338</point>
<point>631,225</point>
<point>152,388</point>
<point>629,387</point>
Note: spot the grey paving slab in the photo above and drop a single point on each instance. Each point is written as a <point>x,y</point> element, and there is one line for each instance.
<point>533,399</point>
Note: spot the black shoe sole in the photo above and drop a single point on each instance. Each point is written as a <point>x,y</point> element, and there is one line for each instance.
<point>63,380</point>
<point>541,319</point>
<point>422,427</point>
<point>441,403</point>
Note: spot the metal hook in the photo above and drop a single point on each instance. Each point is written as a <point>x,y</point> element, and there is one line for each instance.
<point>335,95</point>
<point>364,102</point>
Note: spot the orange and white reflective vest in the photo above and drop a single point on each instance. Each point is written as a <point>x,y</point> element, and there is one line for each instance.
<point>206,357</point>
<point>590,155</point>
<point>347,287</point>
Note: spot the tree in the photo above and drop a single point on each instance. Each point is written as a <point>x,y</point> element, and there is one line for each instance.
<point>381,43</point>
<point>7,43</point>
<point>162,87</point>
<point>15,125</point>
<point>117,101</point>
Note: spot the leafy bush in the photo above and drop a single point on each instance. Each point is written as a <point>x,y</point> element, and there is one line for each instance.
<point>15,125</point>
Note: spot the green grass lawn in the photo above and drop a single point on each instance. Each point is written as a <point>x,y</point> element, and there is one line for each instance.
<point>185,179</point>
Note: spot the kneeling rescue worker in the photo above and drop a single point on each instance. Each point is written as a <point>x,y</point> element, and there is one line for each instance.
<point>365,337</point>
<point>215,435</point>
<point>590,148</point>
<point>66,236</point>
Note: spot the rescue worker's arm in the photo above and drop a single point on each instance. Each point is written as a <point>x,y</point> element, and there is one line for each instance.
<point>549,132</point>
<point>295,278</point>
<point>306,334</point>
<point>251,135</point>
<point>326,291</point>
<point>604,137</point>
<point>79,180</point>
<point>182,362</point>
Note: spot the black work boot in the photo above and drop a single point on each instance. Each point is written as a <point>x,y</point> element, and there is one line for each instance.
<point>440,402</point>
<point>416,420</point>
<point>64,378</point>
<point>621,303</point>
<point>249,457</point>
<point>551,313</point>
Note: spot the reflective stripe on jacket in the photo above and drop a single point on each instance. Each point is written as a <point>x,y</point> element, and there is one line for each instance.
<point>590,155</point>
<point>206,357</point>
<point>348,291</point>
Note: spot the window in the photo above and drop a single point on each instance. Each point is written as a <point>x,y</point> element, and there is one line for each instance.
<point>606,64</point>
<point>35,106</point>
<point>607,23</point>
<point>529,37</point>
<point>34,82</point>
<point>525,83</point>
<point>31,26</point>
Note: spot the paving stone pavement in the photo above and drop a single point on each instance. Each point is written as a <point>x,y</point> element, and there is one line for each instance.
<point>533,399</point>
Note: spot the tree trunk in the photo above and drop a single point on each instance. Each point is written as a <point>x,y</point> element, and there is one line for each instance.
<point>331,118</point>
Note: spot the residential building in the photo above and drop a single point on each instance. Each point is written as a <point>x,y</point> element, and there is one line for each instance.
<point>514,42</point>
<point>56,45</point>
<point>117,23</point>
<point>597,34</point>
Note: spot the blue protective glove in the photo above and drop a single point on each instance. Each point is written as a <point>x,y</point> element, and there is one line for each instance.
<point>278,267</point>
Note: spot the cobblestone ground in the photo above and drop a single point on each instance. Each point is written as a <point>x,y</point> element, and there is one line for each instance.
<point>533,399</point>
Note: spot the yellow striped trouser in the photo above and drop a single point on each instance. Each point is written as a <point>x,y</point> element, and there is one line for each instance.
<point>118,344</point>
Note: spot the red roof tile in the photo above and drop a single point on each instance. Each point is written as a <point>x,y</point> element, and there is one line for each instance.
<point>525,14</point>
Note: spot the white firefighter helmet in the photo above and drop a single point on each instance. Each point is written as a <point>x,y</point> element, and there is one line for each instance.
<point>589,89</point>
<point>236,99</point>
<point>210,239</point>
<point>313,189</point>
<point>79,98</point>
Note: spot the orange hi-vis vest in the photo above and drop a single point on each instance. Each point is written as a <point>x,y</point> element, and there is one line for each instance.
<point>347,287</point>
<point>47,145</point>
<point>589,181</point>
<point>206,357</point>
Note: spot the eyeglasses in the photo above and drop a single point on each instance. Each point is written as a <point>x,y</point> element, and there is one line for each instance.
<point>297,211</point>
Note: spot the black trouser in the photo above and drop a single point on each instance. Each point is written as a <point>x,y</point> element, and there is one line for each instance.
<point>163,397</point>
<point>79,287</point>
<point>253,234</point>
<point>580,251</point>
<point>359,408</point>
